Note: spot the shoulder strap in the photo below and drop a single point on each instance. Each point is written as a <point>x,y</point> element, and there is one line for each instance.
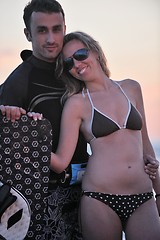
<point>90,99</point>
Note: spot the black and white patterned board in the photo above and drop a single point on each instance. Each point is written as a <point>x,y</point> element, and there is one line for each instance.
<point>25,149</point>
<point>15,213</point>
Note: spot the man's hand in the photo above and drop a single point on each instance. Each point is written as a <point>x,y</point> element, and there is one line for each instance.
<point>12,113</point>
<point>151,166</point>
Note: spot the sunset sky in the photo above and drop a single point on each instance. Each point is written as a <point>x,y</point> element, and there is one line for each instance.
<point>128,31</point>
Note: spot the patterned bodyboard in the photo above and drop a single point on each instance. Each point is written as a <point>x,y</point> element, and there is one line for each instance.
<point>25,150</point>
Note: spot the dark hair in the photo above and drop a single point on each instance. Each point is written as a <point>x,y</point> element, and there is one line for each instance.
<point>73,85</point>
<point>45,6</point>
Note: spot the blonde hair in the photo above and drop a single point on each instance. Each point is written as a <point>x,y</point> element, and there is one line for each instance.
<point>73,85</point>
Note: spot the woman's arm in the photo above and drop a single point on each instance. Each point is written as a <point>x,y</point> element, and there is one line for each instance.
<point>69,132</point>
<point>70,125</point>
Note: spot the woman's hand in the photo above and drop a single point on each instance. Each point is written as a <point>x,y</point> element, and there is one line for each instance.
<point>35,116</point>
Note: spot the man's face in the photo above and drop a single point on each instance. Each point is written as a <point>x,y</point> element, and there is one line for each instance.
<point>46,34</point>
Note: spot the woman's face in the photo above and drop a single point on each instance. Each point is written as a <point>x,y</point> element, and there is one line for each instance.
<point>78,60</point>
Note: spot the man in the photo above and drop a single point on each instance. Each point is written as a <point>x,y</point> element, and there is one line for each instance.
<point>33,86</point>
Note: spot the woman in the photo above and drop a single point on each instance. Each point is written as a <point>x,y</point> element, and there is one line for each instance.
<point>116,192</point>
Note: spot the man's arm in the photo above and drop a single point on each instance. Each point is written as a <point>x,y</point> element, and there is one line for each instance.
<point>14,89</point>
<point>150,160</point>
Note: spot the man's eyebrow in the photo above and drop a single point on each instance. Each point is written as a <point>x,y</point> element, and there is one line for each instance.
<point>54,26</point>
<point>57,26</point>
<point>41,26</point>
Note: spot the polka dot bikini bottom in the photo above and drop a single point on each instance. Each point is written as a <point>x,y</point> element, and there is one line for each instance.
<point>123,205</point>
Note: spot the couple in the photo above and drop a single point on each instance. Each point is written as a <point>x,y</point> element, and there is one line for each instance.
<point>116,192</point>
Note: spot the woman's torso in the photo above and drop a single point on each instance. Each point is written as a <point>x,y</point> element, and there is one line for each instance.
<point>116,164</point>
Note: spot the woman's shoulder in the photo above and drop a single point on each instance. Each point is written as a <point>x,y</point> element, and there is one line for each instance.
<point>78,97</point>
<point>75,101</point>
<point>129,84</point>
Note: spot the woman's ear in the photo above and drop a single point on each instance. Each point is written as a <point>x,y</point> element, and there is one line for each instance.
<point>28,35</point>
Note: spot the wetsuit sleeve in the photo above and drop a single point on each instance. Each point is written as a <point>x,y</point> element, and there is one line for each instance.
<point>14,90</point>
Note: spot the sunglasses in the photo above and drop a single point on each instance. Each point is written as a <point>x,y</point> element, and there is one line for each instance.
<point>79,55</point>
